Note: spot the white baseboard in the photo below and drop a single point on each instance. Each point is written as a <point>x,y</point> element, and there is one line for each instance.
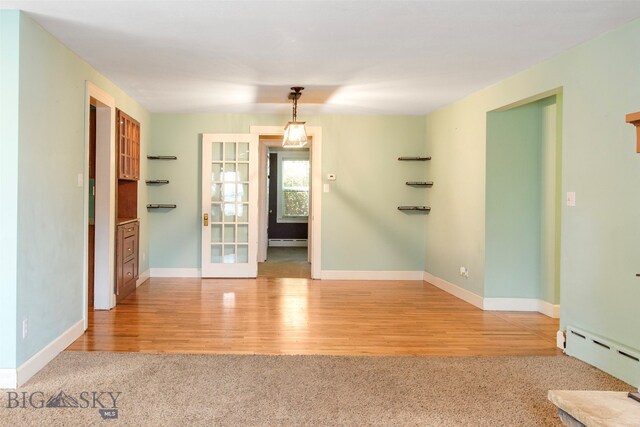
<point>174,272</point>
<point>495,304</point>
<point>548,309</point>
<point>510,304</point>
<point>8,378</point>
<point>142,277</point>
<point>14,378</point>
<point>370,275</point>
<point>454,290</point>
<point>297,243</point>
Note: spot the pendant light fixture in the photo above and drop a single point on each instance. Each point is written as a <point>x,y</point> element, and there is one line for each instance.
<point>295,134</point>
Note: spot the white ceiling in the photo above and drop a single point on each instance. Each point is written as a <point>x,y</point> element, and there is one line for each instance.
<point>377,57</point>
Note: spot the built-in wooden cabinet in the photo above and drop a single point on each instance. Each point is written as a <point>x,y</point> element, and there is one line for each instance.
<point>128,226</point>
<point>127,258</point>
<point>128,131</point>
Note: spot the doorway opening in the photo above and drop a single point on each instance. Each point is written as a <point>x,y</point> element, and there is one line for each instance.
<point>91,209</point>
<point>523,201</point>
<point>289,243</point>
<point>288,201</point>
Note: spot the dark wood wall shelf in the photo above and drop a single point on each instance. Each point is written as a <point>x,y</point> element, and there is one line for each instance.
<point>161,206</point>
<point>417,158</point>
<point>414,208</point>
<point>156,181</point>
<point>416,184</point>
<point>419,183</point>
<point>162,157</point>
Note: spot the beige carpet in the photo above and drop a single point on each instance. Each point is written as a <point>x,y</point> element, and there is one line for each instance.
<point>300,390</point>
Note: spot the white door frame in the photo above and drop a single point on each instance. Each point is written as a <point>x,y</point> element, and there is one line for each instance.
<point>315,217</point>
<point>105,216</point>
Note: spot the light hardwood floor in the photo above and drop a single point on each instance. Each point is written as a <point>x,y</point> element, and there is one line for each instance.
<point>302,316</point>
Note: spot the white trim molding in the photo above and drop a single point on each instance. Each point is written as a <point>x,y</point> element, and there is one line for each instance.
<point>8,378</point>
<point>14,378</point>
<point>495,304</point>
<point>315,218</point>
<point>174,272</point>
<point>454,290</point>
<point>288,243</point>
<point>370,275</point>
<point>548,309</point>
<point>510,304</point>
<point>142,277</point>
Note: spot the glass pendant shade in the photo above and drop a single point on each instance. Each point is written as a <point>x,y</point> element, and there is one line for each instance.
<point>295,135</point>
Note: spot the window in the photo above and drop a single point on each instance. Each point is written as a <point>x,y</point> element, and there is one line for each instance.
<point>293,183</point>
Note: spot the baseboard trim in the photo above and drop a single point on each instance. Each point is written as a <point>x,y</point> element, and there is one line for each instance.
<point>510,304</point>
<point>370,275</point>
<point>495,304</point>
<point>454,290</point>
<point>8,378</point>
<point>174,272</point>
<point>548,309</point>
<point>291,243</point>
<point>44,356</point>
<point>142,277</point>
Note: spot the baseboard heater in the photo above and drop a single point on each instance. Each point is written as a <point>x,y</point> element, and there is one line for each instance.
<point>288,242</point>
<point>617,359</point>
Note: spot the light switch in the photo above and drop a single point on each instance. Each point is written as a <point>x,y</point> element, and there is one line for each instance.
<point>571,198</point>
<point>325,188</point>
<point>80,180</point>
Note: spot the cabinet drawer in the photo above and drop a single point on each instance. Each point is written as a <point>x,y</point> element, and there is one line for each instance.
<point>129,247</point>
<point>130,229</point>
<point>129,271</point>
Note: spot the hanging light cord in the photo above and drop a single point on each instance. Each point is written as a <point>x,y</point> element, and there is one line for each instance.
<point>295,106</point>
<point>297,91</point>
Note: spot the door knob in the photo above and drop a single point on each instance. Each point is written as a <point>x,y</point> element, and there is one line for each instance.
<point>205,219</point>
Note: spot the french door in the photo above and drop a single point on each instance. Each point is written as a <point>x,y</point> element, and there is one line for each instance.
<point>229,205</point>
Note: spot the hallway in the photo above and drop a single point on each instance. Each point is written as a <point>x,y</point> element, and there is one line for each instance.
<point>285,262</point>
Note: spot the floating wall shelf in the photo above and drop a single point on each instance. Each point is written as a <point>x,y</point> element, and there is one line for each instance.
<point>419,183</point>
<point>157,181</point>
<point>161,206</point>
<point>420,159</point>
<point>634,119</point>
<point>414,208</point>
<point>162,157</point>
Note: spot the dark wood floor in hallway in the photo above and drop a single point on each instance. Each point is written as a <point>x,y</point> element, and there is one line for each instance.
<point>302,316</point>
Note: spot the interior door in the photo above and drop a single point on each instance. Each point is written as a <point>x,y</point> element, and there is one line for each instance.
<point>229,205</point>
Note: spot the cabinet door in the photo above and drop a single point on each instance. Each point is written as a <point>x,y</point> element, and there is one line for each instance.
<point>128,147</point>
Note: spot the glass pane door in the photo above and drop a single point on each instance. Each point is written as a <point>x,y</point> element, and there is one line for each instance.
<point>229,205</point>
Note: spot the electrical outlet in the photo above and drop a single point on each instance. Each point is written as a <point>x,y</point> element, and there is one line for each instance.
<point>464,272</point>
<point>25,328</point>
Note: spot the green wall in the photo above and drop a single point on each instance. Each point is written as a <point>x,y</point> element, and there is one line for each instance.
<point>361,227</point>
<point>51,123</point>
<point>599,237</point>
<point>512,248</point>
<point>521,199</point>
<point>9,97</point>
